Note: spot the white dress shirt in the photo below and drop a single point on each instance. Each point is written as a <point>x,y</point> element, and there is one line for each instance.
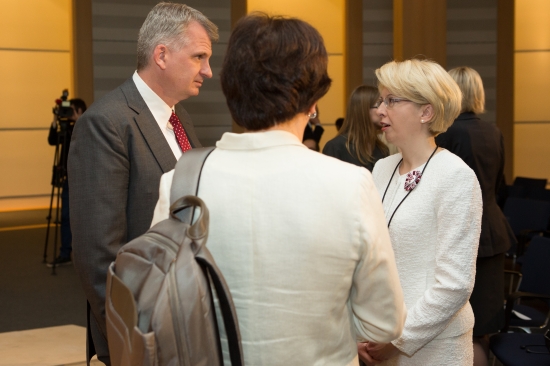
<point>161,111</point>
<point>301,240</point>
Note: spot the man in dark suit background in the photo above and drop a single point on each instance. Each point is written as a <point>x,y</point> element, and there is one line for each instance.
<point>124,143</point>
<point>60,135</point>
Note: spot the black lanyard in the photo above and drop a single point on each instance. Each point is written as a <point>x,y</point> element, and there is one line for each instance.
<point>407,195</point>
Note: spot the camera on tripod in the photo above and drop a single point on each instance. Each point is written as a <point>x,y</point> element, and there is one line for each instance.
<point>64,113</point>
<point>63,110</point>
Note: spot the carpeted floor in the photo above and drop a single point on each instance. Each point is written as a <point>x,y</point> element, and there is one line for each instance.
<point>30,296</point>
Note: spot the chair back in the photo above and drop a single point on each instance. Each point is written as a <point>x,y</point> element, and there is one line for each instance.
<point>530,183</point>
<point>516,191</point>
<point>526,214</point>
<point>536,267</point>
<point>540,195</point>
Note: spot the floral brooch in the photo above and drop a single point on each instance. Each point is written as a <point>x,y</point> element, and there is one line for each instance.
<point>413,178</point>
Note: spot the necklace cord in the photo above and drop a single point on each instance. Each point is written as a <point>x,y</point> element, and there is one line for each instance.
<point>407,195</point>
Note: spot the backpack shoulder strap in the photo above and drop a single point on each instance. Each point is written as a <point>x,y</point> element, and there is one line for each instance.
<point>227,307</point>
<point>187,175</point>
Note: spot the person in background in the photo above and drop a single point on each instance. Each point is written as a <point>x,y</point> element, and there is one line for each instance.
<point>433,207</point>
<point>481,146</point>
<point>313,132</point>
<point>124,143</point>
<point>339,122</point>
<point>55,138</point>
<point>303,293</point>
<point>357,141</point>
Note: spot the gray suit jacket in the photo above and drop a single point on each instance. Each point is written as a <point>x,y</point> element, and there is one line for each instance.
<point>116,159</point>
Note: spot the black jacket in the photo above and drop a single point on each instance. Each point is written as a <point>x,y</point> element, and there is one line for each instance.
<point>337,149</point>
<point>481,146</point>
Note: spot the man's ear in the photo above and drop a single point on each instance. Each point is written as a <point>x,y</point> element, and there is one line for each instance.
<point>159,56</point>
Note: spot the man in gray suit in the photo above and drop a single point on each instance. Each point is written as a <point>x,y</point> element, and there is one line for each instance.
<point>125,141</point>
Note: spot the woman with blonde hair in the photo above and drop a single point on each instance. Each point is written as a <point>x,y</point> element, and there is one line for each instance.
<point>357,141</point>
<point>432,203</point>
<point>481,146</point>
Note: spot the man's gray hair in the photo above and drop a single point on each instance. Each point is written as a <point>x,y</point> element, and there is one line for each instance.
<point>166,24</point>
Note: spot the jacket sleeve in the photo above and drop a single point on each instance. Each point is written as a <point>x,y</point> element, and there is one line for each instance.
<point>99,179</point>
<point>318,131</point>
<point>500,181</point>
<point>376,298</point>
<point>458,213</point>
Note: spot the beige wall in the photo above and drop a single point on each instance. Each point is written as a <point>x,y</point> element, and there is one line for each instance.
<point>35,66</point>
<point>532,89</point>
<point>327,16</point>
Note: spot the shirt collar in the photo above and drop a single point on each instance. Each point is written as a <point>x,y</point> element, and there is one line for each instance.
<point>160,110</point>
<point>257,140</point>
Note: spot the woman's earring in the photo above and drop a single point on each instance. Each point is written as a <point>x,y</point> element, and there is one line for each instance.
<point>422,121</point>
<point>312,115</point>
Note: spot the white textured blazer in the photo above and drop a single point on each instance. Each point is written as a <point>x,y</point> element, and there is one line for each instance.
<point>435,235</point>
<point>303,245</point>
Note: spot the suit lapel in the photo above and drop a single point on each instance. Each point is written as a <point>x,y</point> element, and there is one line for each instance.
<point>148,127</point>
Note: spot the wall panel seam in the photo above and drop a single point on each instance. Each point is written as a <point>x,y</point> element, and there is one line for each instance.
<point>3,129</point>
<point>25,196</point>
<point>531,122</point>
<point>33,50</point>
<point>532,50</point>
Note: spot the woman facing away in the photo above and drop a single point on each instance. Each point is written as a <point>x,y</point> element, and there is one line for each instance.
<point>481,146</point>
<point>433,208</point>
<point>357,141</point>
<point>299,237</point>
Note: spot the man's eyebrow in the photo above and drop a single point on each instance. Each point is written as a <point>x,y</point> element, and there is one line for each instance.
<point>202,53</point>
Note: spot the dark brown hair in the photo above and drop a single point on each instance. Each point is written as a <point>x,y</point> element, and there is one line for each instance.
<point>360,131</point>
<point>274,68</point>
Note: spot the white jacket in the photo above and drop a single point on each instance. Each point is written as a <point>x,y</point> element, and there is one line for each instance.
<point>435,235</point>
<point>303,245</point>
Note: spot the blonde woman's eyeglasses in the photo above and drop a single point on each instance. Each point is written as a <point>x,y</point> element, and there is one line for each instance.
<point>390,101</point>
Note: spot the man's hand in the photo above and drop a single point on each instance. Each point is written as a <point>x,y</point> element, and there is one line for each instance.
<point>381,351</point>
<point>364,355</point>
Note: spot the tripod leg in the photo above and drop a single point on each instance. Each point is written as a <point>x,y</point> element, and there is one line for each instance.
<point>57,226</point>
<point>49,218</point>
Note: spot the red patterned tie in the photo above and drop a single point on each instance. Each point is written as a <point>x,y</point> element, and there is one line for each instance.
<point>181,136</point>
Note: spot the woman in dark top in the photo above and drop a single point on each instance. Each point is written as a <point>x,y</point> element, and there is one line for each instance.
<point>481,146</point>
<point>357,141</point>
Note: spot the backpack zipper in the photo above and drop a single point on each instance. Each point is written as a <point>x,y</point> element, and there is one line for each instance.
<point>165,242</point>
